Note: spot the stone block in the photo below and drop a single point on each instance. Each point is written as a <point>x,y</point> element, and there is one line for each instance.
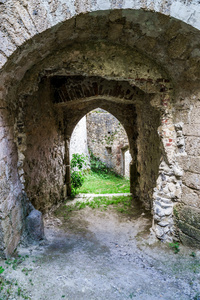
<point>188,241</point>
<point>194,115</point>
<point>12,244</point>
<point>192,180</point>
<point>189,163</point>
<point>191,130</point>
<point>190,197</point>
<point>192,145</point>
<point>35,225</point>
<point>188,215</point>
<point>189,230</point>
<point>115,31</point>
<point>182,116</point>
<point>194,164</point>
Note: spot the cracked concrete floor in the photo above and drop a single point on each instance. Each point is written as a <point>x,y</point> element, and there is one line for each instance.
<point>97,254</point>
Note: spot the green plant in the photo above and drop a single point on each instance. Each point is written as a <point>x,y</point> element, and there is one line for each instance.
<point>78,161</point>
<point>110,138</point>
<point>77,179</point>
<point>1,270</point>
<point>175,212</point>
<point>26,270</point>
<point>175,247</point>
<point>15,262</point>
<point>132,295</point>
<point>197,296</point>
<point>193,254</point>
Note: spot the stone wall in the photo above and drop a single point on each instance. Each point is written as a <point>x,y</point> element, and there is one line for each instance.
<point>12,198</point>
<point>79,139</point>
<point>148,150</point>
<point>187,211</point>
<point>106,139</point>
<point>44,168</point>
<point>127,160</point>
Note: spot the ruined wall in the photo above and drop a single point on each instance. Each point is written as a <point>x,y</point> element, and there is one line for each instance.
<point>148,150</point>
<point>44,168</point>
<point>106,138</point>
<point>187,211</point>
<point>12,198</point>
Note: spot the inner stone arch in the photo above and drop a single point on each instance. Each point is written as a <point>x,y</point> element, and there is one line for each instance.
<point>129,109</point>
<point>101,134</point>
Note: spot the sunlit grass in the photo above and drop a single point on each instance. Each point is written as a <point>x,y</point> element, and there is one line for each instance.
<point>104,184</point>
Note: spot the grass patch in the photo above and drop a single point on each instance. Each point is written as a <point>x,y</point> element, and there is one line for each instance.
<point>122,204</point>
<point>175,247</point>
<point>104,184</point>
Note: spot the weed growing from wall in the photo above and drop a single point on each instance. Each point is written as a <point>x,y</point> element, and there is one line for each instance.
<point>97,166</point>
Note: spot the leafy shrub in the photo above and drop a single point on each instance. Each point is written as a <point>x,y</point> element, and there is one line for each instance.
<point>77,179</point>
<point>78,161</point>
<point>77,164</point>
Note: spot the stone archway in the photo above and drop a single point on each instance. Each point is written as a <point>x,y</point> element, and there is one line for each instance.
<point>143,143</point>
<point>115,49</point>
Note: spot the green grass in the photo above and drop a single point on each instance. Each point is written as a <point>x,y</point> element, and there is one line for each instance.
<point>122,204</point>
<point>104,184</point>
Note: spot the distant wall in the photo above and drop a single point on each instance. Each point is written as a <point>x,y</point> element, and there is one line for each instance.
<point>127,161</point>
<point>78,142</point>
<point>107,139</point>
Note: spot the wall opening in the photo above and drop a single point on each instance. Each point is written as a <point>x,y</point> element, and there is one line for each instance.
<point>101,137</point>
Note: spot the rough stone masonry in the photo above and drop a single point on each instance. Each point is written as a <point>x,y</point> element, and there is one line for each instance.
<point>140,61</point>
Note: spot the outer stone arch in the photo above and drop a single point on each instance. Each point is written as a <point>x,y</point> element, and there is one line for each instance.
<point>177,66</point>
<point>34,16</point>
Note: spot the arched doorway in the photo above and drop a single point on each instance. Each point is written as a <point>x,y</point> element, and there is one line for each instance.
<point>100,139</point>
<point>133,75</point>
